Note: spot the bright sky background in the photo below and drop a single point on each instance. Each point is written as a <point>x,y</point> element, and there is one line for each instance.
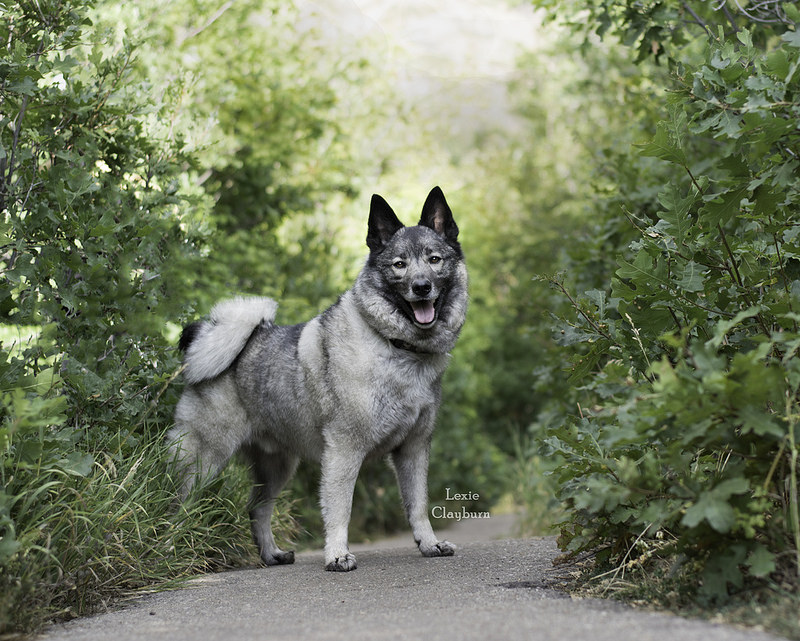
<point>463,48</point>
<point>456,38</point>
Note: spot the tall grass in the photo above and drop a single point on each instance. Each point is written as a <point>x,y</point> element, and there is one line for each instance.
<point>85,541</point>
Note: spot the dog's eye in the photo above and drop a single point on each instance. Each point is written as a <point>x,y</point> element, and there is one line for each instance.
<point>399,264</point>
<point>435,259</point>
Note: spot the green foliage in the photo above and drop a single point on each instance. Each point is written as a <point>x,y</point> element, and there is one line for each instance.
<point>95,244</point>
<point>82,530</point>
<point>686,359</point>
<point>258,105</point>
<point>667,28</point>
<point>91,216</point>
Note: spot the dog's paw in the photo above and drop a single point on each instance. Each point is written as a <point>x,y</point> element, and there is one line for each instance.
<point>440,548</point>
<point>344,563</point>
<point>279,557</point>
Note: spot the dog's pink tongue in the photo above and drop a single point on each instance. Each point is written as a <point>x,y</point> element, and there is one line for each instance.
<point>423,311</point>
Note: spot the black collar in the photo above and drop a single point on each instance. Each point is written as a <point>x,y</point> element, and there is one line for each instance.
<point>399,344</point>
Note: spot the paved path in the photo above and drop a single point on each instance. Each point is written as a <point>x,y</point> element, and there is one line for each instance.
<point>489,590</point>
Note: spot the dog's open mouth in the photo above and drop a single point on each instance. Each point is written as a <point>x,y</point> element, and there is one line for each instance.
<point>424,311</point>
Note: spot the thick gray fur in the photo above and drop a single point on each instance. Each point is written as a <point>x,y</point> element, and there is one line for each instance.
<point>361,380</point>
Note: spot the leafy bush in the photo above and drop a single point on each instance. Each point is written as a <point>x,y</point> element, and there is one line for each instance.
<point>686,444</point>
<point>95,246</point>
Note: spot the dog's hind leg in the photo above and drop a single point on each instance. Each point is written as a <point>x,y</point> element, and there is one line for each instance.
<point>271,471</point>
<point>209,429</point>
<point>196,460</point>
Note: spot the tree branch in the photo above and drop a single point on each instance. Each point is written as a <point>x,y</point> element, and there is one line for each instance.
<point>696,17</point>
<point>197,31</point>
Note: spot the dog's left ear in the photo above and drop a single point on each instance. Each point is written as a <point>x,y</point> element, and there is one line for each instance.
<point>436,214</point>
<point>383,223</point>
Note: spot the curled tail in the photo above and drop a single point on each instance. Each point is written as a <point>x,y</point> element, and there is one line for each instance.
<point>210,346</point>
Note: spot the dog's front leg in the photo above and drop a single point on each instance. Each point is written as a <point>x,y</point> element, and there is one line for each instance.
<point>411,466</point>
<point>340,469</point>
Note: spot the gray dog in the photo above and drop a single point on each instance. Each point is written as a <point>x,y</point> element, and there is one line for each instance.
<point>361,380</point>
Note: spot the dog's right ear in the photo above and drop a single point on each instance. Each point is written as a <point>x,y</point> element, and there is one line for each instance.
<point>383,224</point>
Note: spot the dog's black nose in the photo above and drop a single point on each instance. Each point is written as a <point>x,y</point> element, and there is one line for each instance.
<point>421,287</point>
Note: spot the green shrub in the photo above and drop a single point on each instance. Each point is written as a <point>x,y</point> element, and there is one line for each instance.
<point>685,445</point>
<point>95,248</point>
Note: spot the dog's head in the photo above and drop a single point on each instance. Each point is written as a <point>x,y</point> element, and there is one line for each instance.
<point>418,271</point>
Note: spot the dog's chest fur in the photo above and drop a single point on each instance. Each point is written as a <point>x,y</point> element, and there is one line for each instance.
<point>385,389</point>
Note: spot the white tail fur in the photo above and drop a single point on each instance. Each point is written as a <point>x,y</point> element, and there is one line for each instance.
<point>221,338</point>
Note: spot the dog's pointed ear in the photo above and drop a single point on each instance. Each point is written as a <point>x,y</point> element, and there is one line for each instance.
<point>383,224</point>
<point>436,214</point>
